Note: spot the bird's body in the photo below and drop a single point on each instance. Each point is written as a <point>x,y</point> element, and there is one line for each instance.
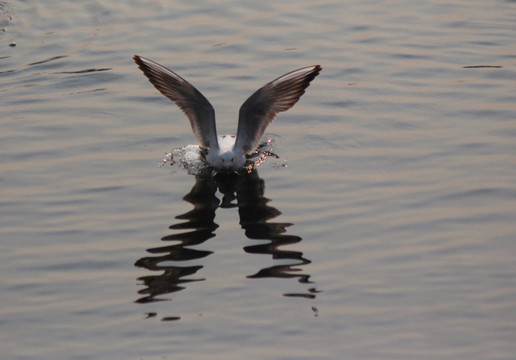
<point>227,156</point>
<point>229,152</point>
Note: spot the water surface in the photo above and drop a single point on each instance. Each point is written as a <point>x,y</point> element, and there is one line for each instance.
<point>385,230</point>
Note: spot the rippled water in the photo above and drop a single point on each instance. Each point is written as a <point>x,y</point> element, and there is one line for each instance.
<point>384,230</point>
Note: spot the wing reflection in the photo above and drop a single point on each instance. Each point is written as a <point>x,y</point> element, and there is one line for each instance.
<point>245,192</point>
<point>196,229</point>
<point>254,216</point>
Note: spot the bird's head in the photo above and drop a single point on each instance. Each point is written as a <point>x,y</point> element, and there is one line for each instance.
<point>229,160</point>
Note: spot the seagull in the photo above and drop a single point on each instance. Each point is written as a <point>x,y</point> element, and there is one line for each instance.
<point>228,152</point>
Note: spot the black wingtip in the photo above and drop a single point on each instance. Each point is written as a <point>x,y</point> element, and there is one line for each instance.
<point>144,67</point>
<point>317,69</point>
<point>138,60</point>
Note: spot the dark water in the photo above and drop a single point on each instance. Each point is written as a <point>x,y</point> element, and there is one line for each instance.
<point>385,230</point>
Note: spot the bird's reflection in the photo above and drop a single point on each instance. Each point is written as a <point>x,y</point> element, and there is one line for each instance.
<point>245,191</point>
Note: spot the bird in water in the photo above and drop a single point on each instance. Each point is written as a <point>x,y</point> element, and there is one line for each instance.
<point>228,153</point>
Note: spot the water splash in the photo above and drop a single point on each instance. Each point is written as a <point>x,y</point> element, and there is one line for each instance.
<point>192,158</point>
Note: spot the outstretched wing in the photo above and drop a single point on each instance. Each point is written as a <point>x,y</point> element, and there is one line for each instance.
<point>195,106</point>
<point>262,107</point>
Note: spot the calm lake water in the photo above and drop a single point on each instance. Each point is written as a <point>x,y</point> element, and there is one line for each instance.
<point>385,229</point>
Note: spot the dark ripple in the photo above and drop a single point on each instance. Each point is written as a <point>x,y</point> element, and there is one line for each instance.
<point>101,189</point>
<point>53,58</point>
<point>500,193</point>
<point>481,195</point>
<point>84,71</point>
